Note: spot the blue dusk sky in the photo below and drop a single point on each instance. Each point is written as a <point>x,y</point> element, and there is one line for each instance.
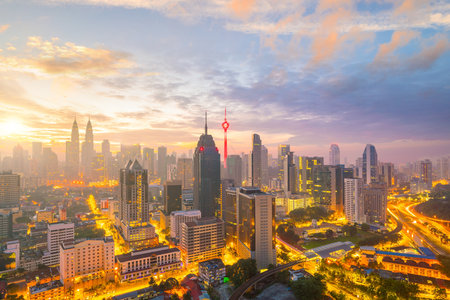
<point>307,73</point>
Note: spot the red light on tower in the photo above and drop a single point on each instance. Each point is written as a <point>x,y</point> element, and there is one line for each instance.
<point>225,126</point>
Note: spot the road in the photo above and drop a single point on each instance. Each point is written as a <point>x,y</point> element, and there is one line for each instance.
<point>414,229</point>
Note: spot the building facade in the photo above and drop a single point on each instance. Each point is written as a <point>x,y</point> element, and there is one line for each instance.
<point>202,239</point>
<point>375,202</point>
<point>9,190</point>
<point>334,155</point>
<point>56,234</point>
<point>177,218</point>
<point>370,164</point>
<point>354,204</point>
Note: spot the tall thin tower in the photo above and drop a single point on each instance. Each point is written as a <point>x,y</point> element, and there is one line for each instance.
<point>225,126</point>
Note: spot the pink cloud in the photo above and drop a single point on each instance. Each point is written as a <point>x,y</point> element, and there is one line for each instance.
<point>242,8</point>
<point>4,27</point>
<point>398,40</point>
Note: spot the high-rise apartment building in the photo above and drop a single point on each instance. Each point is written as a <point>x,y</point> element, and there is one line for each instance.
<point>88,257</point>
<point>148,160</point>
<point>354,204</point>
<point>370,164</point>
<point>289,174</point>
<point>9,190</point>
<point>264,166</point>
<point>305,172</point>
<point>177,218</point>
<point>134,210</point>
<point>256,226</point>
<point>184,172</point>
<point>375,202</point>
<point>426,173</point>
<point>282,151</point>
<point>206,175</point>
<point>172,196</point>
<point>335,155</point>
<point>56,234</point>
<point>387,174</point>
<point>162,163</point>
<point>73,153</point>
<point>256,161</point>
<point>6,225</point>
<point>202,239</point>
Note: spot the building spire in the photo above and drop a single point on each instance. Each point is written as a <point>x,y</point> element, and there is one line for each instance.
<point>206,122</point>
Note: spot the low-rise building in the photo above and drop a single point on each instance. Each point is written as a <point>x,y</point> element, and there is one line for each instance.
<point>50,290</point>
<point>148,262</point>
<point>212,271</point>
<point>92,259</point>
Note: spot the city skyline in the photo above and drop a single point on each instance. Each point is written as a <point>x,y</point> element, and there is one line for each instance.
<point>143,85</point>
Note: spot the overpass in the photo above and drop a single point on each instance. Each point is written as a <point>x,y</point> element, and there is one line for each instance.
<point>261,276</point>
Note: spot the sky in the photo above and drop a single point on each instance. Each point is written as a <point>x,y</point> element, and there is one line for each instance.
<point>306,73</point>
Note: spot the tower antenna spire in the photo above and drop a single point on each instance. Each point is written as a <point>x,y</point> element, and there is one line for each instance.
<point>225,126</point>
<point>206,122</point>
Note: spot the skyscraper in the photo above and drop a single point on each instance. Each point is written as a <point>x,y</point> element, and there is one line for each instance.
<point>73,153</point>
<point>334,155</point>
<point>87,151</point>
<point>255,226</point>
<point>354,205</point>
<point>134,213</point>
<point>375,202</point>
<point>426,173</point>
<point>184,172</point>
<point>264,166</point>
<point>148,157</point>
<point>305,172</point>
<point>172,196</point>
<point>370,164</point>
<point>289,174</point>
<point>9,190</point>
<point>256,161</point>
<point>162,163</point>
<point>282,150</point>
<point>206,175</point>
<point>234,169</point>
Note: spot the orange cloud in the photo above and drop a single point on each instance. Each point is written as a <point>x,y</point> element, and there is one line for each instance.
<point>399,39</point>
<point>409,6</point>
<point>426,58</point>
<point>4,27</point>
<point>242,8</point>
<point>51,57</point>
<point>333,4</point>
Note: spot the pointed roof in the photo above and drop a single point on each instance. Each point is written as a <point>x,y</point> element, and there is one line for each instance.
<point>135,165</point>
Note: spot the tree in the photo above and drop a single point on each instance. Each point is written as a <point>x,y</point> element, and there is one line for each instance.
<point>365,227</point>
<point>241,271</point>
<point>349,230</point>
<point>23,220</point>
<point>172,283</point>
<point>152,281</point>
<point>187,296</point>
<point>5,260</point>
<point>309,287</point>
<point>329,234</point>
<point>445,264</point>
<point>439,294</point>
<point>174,297</point>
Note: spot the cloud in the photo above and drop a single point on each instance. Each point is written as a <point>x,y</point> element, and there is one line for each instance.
<point>426,58</point>
<point>242,8</point>
<point>398,40</point>
<point>52,57</point>
<point>4,27</point>
<point>440,19</point>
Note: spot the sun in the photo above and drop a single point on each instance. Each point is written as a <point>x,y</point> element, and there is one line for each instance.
<point>12,127</point>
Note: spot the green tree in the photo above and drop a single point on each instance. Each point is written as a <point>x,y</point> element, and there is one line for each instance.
<point>365,227</point>
<point>241,271</point>
<point>187,296</point>
<point>5,259</point>
<point>329,234</point>
<point>439,294</point>
<point>312,288</point>
<point>445,264</point>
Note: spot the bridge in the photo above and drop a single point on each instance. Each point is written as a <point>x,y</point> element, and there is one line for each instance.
<point>261,276</point>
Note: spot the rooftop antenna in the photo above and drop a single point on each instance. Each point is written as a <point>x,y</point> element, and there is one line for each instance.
<point>206,122</point>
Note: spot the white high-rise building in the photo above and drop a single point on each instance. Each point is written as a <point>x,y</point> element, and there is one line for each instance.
<point>89,257</point>
<point>56,234</point>
<point>335,155</point>
<point>179,217</point>
<point>353,200</point>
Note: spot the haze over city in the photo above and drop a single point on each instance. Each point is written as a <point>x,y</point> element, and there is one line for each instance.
<point>305,73</point>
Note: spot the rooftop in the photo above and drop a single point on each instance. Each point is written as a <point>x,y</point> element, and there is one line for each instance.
<point>45,287</point>
<point>215,263</point>
<point>204,221</point>
<point>146,253</point>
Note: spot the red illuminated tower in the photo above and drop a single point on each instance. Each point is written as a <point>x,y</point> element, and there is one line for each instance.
<point>225,126</point>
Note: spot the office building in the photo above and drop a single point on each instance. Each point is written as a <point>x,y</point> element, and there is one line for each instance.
<point>134,209</point>
<point>188,199</point>
<point>73,153</point>
<point>298,200</point>
<point>387,174</point>
<point>87,152</point>
<point>354,204</point>
<point>148,160</point>
<point>256,161</point>
<point>256,226</point>
<point>50,164</point>
<point>282,151</point>
<point>375,202</point>
<point>206,175</point>
<point>212,272</point>
<point>370,164</point>
<point>147,263</point>
<point>305,172</point>
<point>172,196</point>
<point>56,234</point>
<point>229,216</point>
<point>179,217</point>
<point>202,239</point>
<point>289,174</point>
<point>88,257</point>
<point>9,190</point>
<point>234,169</point>
<point>264,166</point>
<point>45,215</point>
<point>184,172</point>
<point>426,173</point>
<point>162,163</point>
<point>335,155</point>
